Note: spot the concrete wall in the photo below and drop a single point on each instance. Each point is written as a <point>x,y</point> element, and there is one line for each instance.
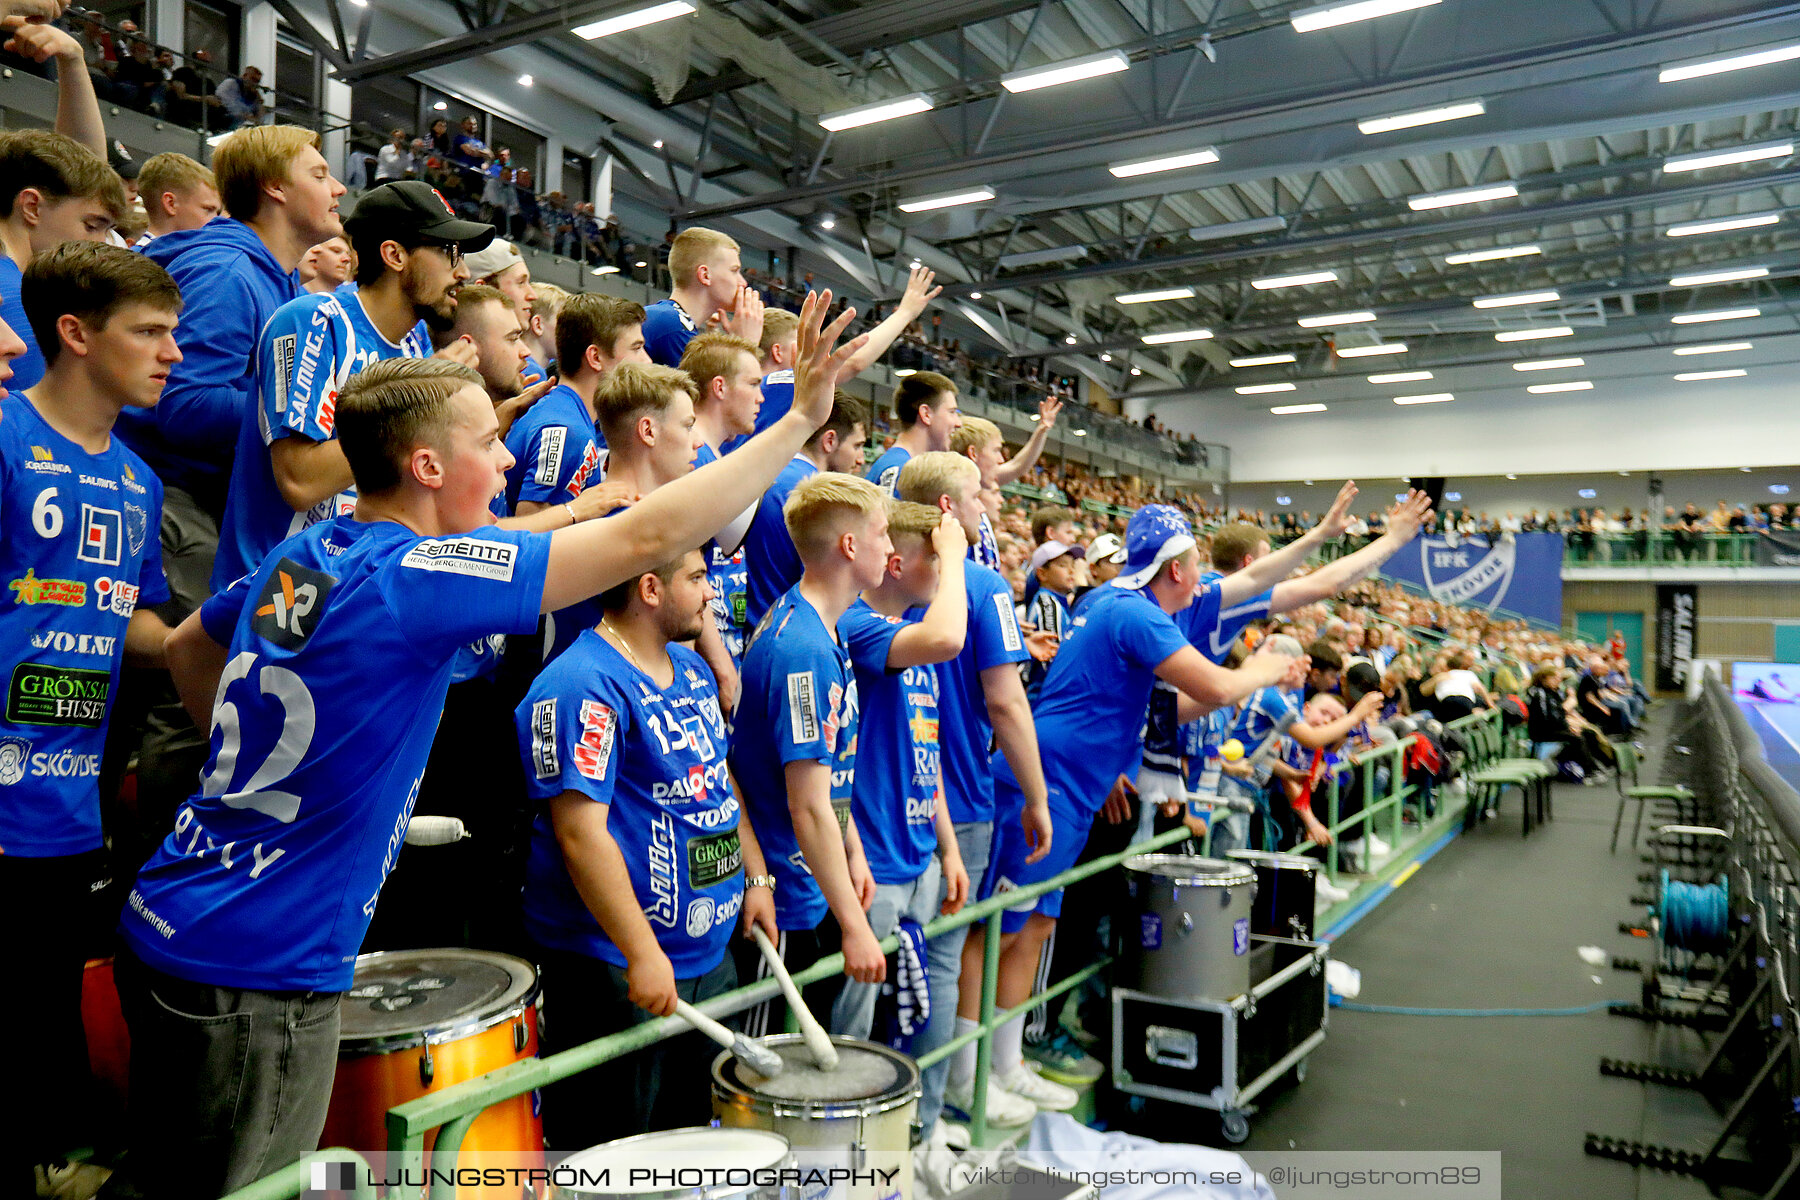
<point>1735,620</point>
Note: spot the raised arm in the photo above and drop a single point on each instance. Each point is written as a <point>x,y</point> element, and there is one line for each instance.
<point>1403,522</point>
<point>1204,685</point>
<point>77,108</point>
<point>1021,462</point>
<point>1320,737</point>
<point>1277,565</point>
<point>938,636</point>
<point>919,293</point>
<point>675,518</point>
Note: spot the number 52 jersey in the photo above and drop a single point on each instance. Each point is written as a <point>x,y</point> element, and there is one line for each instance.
<point>80,552</point>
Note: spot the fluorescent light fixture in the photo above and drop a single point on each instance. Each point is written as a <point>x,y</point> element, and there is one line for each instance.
<point>1573,385</point>
<point>1514,299</point>
<point>974,295</point>
<point>1300,280</point>
<point>1724,224</point>
<point>1429,398</point>
<point>1533,335</point>
<point>1105,357</point>
<point>1070,340</point>
<point>1699,68</point>
<point>1324,16</point>
<point>605,269</point>
<point>1549,364</point>
<point>947,200</point>
<point>440,106</point>
<point>1174,293</point>
<point>828,222</point>
<point>1468,195</point>
<point>1371,351</point>
<point>1288,410</point>
<point>1498,252</point>
<point>1715,348</point>
<point>1728,157</point>
<point>1400,377</point>
<point>1731,276</point>
<point>1231,229</point>
<point>1039,258</point>
<point>1697,376</point>
<point>1263,360</point>
<point>1081,433</point>
<point>1066,72</point>
<point>1137,370</point>
<point>633,20</point>
<point>526,81</point>
<point>1332,320</point>
<point>1257,389</point>
<point>1423,116</point>
<point>1510,475</point>
<point>1167,162</point>
<point>1587,493</point>
<point>881,110</point>
<point>1179,335</point>
<point>903,372</point>
<point>1717,314</point>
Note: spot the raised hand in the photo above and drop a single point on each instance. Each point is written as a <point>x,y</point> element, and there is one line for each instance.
<point>1338,519</point>
<point>463,350</point>
<point>1048,408</point>
<point>817,365</point>
<point>508,411</point>
<point>1406,517</point>
<point>950,541</point>
<point>39,42</point>
<point>919,291</point>
<point>745,318</point>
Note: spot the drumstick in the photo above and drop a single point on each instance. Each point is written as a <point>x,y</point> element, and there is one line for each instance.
<point>824,1054</point>
<point>751,1053</point>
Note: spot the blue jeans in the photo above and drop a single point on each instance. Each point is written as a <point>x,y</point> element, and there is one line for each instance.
<point>1231,830</point>
<point>854,1012</point>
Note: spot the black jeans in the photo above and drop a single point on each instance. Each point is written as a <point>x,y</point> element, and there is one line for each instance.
<point>59,919</point>
<point>227,1084</point>
<point>586,998</point>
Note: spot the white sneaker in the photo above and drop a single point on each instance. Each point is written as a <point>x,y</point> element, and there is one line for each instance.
<point>1053,1097</point>
<point>934,1167</point>
<point>1329,892</point>
<point>1378,848</point>
<point>955,1136</point>
<point>70,1181</point>
<point>1003,1107</point>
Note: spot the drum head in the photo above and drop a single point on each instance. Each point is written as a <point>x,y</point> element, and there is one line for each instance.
<point>672,1149</point>
<point>417,994</point>
<point>869,1078</point>
<point>1186,870</point>
<point>1273,860</point>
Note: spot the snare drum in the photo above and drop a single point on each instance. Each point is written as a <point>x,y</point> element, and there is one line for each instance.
<point>1193,935</point>
<point>859,1116</point>
<point>417,1021</point>
<point>1285,886</point>
<point>679,1164</point>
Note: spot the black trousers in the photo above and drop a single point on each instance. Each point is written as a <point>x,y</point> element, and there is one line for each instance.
<point>60,919</point>
<point>665,1086</point>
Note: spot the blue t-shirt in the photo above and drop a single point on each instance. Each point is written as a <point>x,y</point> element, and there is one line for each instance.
<point>798,704</point>
<point>1213,632</point>
<point>533,372</point>
<point>897,770</point>
<point>777,398</point>
<point>307,352</point>
<point>729,574</point>
<point>593,723</point>
<point>28,368</point>
<point>1266,712</point>
<point>884,473</point>
<point>965,734</point>
<point>1090,713</point>
<point>557,452</point>
<point>80,553</point>
<point>771,564</point>
<point>1201,740</point>
<point>341,645</point>
<point>667,331</point>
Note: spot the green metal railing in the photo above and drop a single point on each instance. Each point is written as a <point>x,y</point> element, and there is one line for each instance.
<point>1640,548</point>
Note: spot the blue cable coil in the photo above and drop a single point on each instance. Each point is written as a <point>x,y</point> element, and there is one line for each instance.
<point>1694,916</point>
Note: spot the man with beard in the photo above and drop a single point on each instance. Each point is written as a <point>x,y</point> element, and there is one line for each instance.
<point>290,472</point>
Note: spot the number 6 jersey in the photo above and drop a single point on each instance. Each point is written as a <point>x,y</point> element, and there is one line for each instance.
<point>340,652</point>
<point>80,552</point>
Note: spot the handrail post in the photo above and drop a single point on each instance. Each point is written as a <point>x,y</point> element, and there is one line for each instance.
<point>984,1049</point>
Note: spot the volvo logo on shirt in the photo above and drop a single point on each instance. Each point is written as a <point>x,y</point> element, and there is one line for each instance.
<point>289,604</point>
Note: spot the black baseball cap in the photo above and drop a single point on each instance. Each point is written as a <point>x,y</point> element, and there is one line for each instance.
<point>411,210</point>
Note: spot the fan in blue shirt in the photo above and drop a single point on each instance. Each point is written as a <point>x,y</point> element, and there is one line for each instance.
<point>706,281</point>
<point>728,373</point>
<point>330,665</point>
<point>557,451</point>
<point>925,406</point>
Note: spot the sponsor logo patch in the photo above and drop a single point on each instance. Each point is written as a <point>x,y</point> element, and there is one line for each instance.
<point>594,751</point>
<point>713,859</point>
<point>102,535</point>
<point>550,454</point>
<point>544,757</point>
<point>70,593</point>
<point>478,557</point>
<point>803,707</point>
<point>115,596</point>
<point>74,643</point>
<point>288,607</point>
<point>39,694</point>
<point>14,753</point>
<point>1009,627</point>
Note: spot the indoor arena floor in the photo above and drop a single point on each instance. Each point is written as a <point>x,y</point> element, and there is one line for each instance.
<point>1494,921</point>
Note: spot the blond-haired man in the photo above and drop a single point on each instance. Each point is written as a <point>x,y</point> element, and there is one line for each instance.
<point>178,193</point>
<point>709,290</point>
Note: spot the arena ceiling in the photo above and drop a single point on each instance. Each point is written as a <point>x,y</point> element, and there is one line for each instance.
<point>1580,109</point>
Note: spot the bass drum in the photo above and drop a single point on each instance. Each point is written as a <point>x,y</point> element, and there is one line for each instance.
<point>1193,935</point>
<point>418,1021</point>
<point>1285,888</point>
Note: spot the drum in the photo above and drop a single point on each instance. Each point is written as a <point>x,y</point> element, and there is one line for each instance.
<point>679,1164</point>
<point>859,1116</point>
<point>1284,892</point>
<point>1193,926</point>
<point>417,1021</point>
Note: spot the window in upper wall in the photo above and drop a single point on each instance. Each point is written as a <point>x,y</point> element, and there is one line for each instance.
<point>214,29</point>
<point>527,147</point>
